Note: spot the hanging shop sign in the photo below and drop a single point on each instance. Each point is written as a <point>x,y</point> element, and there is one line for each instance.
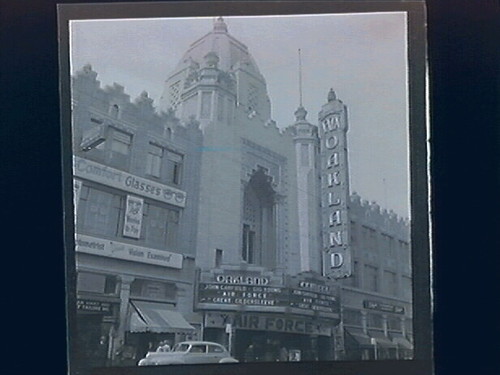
<point>103,174</point>
<point>335,193</point>
<point>120,250</point>
<point>373,305</point>
<point>133,217</point>
<point>268,322</point>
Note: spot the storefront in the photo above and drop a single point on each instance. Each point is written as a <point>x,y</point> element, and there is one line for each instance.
<point>260,316</point>
<point>150,323</point>
<point>96,321</point>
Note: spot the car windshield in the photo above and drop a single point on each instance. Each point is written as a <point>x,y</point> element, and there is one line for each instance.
<point>180,348</point>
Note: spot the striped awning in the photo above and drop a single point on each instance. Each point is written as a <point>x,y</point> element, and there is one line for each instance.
<point>157,317</point>
<point>381,339</point>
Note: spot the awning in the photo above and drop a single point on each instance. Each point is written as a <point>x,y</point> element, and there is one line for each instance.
<point>401,341</point>
<point>158,318</point>
<point>359,336</point>
<point>381,339</point>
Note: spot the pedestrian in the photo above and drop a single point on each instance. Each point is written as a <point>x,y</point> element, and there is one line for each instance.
<point>283,355</point>
<point>164,346</point>
<point>249,355</point>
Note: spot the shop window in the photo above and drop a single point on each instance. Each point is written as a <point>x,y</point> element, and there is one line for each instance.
<point>96,283</point>
<point>154,160</point>
<point>352,317</point>
<point>99,211</point>
<point>394,324</point>
<point>153,289</point>
<point>174,168</point>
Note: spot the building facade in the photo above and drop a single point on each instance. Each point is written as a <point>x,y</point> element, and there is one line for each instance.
<point>136,181</point>
<point>204,219</point>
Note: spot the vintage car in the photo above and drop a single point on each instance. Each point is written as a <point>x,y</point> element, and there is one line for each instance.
<point>189,352</point>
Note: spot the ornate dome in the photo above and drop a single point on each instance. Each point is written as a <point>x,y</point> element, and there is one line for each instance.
<point>231,52</point>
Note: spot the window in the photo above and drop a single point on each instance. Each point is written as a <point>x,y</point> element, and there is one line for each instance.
<point>95,283</point>
<point>374,320</point>
<point>215,349</point>
<point>120,142</point>
<point>406,281</point>
<point>99,211</point>
<point>174,168</point>
<point>352,317</point>
<point>198,349</point>
<point>218,257</point>
<point>394,324</point>
<point>154,160</point>
<point>248,244</point>
<point>153,289</point>
<point>160,226</point>
<point>353,280</point>
<point>391,283</point>
<point>371,278</point>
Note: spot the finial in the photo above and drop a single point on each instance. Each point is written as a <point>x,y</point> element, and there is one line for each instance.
<point>300,79</point>
<point>331,95</point>
<point>300,114</point>
<point>220,25</point>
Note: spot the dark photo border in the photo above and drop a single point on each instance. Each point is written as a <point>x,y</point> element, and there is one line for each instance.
<point>422,362</point>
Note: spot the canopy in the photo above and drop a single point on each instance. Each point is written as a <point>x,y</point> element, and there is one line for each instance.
<point>359,336</point>
<point>401,341</point>
<point>157,317</point>
<point>381,339</point>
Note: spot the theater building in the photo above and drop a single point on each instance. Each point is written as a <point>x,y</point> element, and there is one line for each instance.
<point>259,245</point>
<point>136,183</point>
<point>206,220</point>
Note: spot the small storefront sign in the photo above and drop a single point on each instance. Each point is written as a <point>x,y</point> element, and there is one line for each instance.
<point>267,322</point>
<point>373,305</point>
<point>93,306</point>
<point>133,217</point>
<point>120,250</point>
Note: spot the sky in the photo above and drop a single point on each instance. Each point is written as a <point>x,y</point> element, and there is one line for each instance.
<point>363,57</point>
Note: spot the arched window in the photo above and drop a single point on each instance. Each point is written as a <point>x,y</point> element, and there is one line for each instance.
<point>259,223</point>
<point>114,110</point>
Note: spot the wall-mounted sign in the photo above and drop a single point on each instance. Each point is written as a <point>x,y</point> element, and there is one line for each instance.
<point>133,217</point>
<point>334,190</point>
<point>120,250</point>
<point>86,305</point>
<point>125,181</point>
<point>373,305</point>
<point>268,322</point>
